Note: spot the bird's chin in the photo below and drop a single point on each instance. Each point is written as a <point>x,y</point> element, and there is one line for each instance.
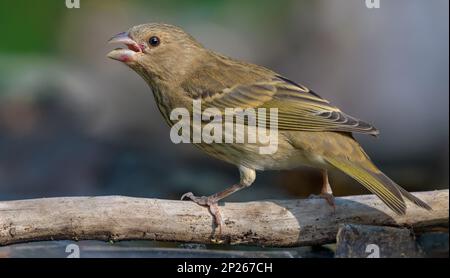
<point>126,56</point>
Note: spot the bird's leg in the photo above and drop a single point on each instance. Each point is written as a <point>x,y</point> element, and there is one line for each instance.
<point>326,192</point>
<point>212,201</point>
<point>247,177</point>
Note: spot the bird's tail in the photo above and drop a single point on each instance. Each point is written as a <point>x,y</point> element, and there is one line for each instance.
<point>377,183</point>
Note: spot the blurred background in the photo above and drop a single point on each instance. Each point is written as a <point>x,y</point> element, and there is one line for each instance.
<point>73,122</point>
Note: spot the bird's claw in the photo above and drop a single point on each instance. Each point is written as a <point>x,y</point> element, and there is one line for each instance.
<point>327,196</point>
<point>187,195</point>
<point>202,201</point>
<point>209,202</point>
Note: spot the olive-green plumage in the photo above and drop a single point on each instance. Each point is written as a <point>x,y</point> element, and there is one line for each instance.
<point>312,132</point>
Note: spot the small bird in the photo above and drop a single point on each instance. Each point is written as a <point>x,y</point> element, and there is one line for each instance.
<point>312,132</point>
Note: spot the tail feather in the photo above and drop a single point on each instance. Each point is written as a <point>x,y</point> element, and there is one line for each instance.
<point>379,184</point>
<point>414,199</point>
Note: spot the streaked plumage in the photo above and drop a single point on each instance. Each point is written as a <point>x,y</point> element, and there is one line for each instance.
<point>312,131</point>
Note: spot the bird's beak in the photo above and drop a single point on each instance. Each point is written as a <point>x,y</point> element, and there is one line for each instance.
<point>125,55</point>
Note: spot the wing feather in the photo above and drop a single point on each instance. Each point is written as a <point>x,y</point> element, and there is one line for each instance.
<point>299,109</point>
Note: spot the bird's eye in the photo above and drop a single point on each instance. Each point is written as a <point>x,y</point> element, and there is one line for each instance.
<point>154,41</point>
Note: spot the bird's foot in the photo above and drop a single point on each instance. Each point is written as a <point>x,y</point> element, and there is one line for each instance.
<point>327,196</point>
<point>211,203</point>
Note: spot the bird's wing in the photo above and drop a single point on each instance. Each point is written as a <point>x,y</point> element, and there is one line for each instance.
<point>299,108</point>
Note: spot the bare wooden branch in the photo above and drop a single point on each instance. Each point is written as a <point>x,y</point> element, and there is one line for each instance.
<point>267,223</point>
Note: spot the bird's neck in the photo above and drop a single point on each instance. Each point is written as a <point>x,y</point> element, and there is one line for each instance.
<point>172,71</point>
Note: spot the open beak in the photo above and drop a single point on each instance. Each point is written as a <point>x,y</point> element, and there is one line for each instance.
<point>121,54</point>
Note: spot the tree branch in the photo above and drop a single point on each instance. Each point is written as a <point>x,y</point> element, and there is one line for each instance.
<point>267,223</point>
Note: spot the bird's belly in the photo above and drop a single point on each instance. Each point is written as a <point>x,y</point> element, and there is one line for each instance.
<point>249,155</point>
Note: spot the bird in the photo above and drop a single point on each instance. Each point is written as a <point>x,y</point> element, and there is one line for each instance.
<point>311,131</point>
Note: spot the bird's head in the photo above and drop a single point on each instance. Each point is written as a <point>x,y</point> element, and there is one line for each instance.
<point>159,51</point>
